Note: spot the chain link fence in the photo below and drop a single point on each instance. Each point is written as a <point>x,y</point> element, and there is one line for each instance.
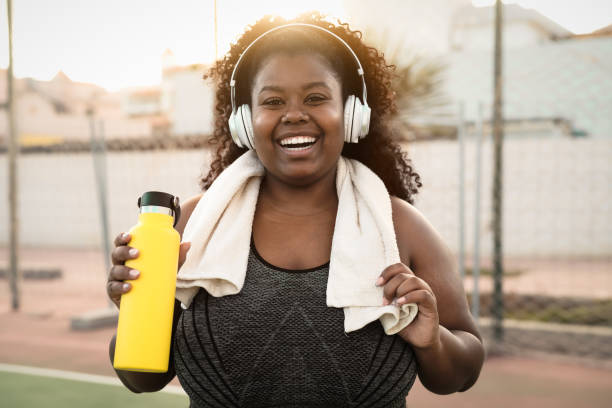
<point>557,220</point>
<point>556,223</point>
<point>557,237</point>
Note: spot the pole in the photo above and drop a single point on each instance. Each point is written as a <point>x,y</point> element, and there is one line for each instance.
<point>476,262</point>
<point>98,151</point>
<point>498,138</point>
<point>461,140</point>
<point>13,147</point>
<point>216,33</point>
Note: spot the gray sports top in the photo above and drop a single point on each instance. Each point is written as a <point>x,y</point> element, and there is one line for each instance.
<point>277,344</point>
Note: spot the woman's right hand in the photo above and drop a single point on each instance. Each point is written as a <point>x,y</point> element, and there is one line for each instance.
<point>119,273</point>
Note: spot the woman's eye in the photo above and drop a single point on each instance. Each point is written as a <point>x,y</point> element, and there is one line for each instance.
<point>315,98</point>
<point>272,101</point>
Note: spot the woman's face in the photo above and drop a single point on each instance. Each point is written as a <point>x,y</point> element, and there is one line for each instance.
<point>297,113</point>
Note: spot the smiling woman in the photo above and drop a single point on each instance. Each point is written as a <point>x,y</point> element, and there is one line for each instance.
<point>301,93</point>
<point>310,198</point>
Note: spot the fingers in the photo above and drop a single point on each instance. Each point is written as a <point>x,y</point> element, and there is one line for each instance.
<point>183,249</point>
<point>123,253</point>
<point>425,299</point>
<point>115,285</point>
<point>399,280</point>
<point>122,239</point>
<point>115,289</point>
<point>399,285</point>
<point>121,273</point>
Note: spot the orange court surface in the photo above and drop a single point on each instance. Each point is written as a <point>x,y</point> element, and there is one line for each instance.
<point>39,335</point>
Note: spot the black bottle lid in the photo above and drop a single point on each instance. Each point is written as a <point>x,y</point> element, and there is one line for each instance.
<point>161,199</point>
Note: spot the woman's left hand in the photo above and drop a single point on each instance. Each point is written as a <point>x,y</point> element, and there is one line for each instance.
<point>402,284</point>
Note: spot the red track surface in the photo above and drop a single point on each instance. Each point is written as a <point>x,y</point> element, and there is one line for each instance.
<point>39,335</point>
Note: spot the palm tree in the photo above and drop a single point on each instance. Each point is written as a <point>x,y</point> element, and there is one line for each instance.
<point>422,106</point>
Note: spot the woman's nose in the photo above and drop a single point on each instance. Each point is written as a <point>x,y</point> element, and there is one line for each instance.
<point>294,114</point>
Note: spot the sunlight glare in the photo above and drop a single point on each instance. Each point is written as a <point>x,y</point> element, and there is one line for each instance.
<point>233,20</point>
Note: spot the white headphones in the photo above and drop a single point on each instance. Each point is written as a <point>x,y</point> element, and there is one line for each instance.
<point>356,113</point>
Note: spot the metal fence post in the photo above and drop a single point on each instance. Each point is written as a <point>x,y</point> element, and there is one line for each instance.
<point>13,152</point>
<point>498,138</point>
<point>98,151</point>
<point>476,262</point>
<point>461,142</point>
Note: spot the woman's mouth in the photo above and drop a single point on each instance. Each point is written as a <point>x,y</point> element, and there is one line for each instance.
<point>297,143</point>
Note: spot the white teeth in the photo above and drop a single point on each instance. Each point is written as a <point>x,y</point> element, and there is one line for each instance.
<point>297,140</point>
<point>297,149</point>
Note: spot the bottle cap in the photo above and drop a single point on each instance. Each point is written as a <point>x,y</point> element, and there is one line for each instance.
<point>161,199</point>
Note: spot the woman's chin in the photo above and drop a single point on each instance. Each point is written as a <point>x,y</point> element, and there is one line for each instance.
<point>302,174</point>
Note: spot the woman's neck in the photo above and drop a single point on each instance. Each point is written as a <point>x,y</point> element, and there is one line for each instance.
<point>296,201</point>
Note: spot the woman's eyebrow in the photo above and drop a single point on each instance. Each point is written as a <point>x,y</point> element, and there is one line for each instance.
<point>275,88</point>
<point>316,84</point>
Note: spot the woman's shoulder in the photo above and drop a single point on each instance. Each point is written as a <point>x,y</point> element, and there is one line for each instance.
<point>422,249</point>
<point>187,208</point>
<point>417,239</point>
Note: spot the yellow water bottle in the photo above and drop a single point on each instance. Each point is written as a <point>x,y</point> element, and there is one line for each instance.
<point>145,315</point>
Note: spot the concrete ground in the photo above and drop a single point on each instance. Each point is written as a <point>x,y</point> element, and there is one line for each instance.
<point>39,335</point>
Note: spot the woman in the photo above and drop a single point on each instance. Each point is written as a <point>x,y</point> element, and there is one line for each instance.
<point>290,349</point>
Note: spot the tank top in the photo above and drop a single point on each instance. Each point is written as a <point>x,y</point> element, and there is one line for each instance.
<point>277,344</point>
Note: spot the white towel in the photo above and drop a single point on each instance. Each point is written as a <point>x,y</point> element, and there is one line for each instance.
<point>363,244</point>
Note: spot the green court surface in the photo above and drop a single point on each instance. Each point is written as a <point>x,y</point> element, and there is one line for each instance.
<point>31,391</point>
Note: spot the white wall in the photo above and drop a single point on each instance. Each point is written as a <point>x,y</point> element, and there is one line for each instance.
<point>191,100</point>
<point>557,194</point>
<point>516,34</point>
<point>419,27</point>
<point>58,202</point>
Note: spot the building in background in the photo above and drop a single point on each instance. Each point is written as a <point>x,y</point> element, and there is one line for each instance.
<point>50,112</point>
<point>187,100</point>
<point>471,28</point>
<point>414,26</point>
<point>555,83</point>
<point>181,105</point>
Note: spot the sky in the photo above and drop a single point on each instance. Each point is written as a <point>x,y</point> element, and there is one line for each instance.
<point>119,43</point>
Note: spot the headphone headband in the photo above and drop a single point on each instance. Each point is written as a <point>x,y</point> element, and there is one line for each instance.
<point>359,70</point>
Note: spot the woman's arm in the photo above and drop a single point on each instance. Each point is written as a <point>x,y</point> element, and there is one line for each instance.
<point>150,382</point>
<point>445,339</point>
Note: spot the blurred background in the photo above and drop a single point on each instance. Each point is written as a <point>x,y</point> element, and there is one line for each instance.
<point>109,102</point>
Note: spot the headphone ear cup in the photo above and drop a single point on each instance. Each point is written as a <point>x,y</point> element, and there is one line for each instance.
<point>349,108</point>
<point>365,121</point>
<point>241,127</point>
<point>361,120</point>
<point>247,126</point>
<point>234,129</point>
<point>357,115</point>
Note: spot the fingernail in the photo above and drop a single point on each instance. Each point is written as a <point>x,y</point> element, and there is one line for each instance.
<point>379,281</point>
<point>125,235</point>
<point>126,286</point>
<point>134,273</point>
<point>133,252</point>
<point>385,302</point>
<point>401,300</point>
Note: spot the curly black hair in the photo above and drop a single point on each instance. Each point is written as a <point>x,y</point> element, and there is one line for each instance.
<point>377,150</point>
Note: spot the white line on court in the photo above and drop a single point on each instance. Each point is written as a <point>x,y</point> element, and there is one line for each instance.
<point>75,376</point>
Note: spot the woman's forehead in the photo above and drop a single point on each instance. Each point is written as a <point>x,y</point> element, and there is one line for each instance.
<point>295,70</point>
